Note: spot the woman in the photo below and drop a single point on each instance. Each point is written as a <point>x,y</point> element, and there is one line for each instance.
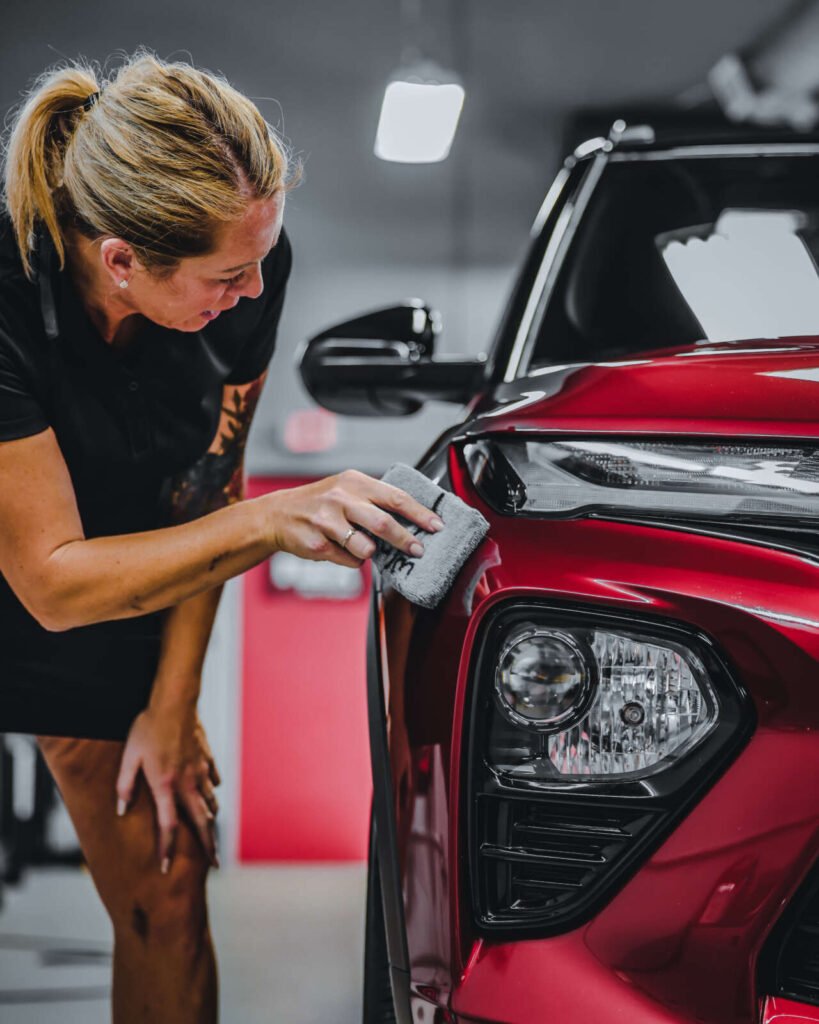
<point>140,211</point>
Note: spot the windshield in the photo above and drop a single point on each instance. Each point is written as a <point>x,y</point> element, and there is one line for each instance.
<point>674,251</point>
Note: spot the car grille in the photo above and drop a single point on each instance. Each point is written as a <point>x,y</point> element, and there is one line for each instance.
<point>790,960</point>
<point>543,858</point>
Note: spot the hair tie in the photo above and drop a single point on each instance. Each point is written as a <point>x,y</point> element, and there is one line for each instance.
<point>92,101</point>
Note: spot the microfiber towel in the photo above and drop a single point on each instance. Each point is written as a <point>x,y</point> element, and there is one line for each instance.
<point>425,580</point>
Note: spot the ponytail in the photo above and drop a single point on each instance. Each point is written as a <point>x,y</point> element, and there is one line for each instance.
<point>35,155</point>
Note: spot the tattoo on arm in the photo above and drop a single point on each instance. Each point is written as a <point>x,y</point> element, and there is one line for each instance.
<point>217,479</point>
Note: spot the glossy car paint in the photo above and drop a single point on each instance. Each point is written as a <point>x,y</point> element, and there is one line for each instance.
<point>679,941</point>
<point>784,1011</point>
<point>745,388</point>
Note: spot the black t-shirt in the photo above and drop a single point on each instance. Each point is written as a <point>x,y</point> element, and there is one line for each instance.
<point>126,422</point>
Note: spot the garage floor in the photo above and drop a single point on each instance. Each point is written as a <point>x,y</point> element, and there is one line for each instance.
<point>289,942</point>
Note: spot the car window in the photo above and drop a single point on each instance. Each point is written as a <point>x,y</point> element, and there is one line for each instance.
<point>752,275</point>
<point>671,252</point>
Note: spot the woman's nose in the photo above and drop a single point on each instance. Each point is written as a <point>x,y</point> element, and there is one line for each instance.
<point>251,285</point>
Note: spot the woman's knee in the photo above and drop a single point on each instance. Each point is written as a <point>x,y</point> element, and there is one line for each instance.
<point>122,853</point>
<point>165,911</point>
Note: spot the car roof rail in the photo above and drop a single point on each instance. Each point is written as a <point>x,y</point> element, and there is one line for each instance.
<point>631,134</point>
<point>620,133</point>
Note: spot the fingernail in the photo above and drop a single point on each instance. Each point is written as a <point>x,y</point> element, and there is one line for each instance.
<point>165,867</point>
<point>417,549</point>
<point>216,863</point>
<point>436,523</point>
<point>122,806</point>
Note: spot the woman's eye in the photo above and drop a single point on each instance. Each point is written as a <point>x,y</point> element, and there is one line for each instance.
<point>231,280</point>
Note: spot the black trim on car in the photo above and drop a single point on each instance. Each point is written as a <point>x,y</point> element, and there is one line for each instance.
<point>789,961</point>
<point>501,349</point>
<point>385,836</point>
<point>597,833</point>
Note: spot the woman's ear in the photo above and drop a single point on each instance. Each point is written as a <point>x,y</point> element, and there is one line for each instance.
<point>119,260</point>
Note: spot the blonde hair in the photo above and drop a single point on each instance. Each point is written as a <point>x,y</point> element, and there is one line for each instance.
<point>164,156</point>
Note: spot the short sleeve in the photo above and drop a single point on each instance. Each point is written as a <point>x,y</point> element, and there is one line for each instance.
<point>21,415</point>
<point>258,322</point>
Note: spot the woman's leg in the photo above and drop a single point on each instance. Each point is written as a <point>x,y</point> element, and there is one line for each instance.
<point>164,967</point>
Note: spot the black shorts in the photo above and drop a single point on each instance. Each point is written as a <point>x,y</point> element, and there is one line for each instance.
<point>89,682</point>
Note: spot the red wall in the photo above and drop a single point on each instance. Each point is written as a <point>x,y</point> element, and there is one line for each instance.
<point>304,766</point>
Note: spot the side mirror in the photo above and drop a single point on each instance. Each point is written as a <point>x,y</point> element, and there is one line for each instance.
<point>381,364</point>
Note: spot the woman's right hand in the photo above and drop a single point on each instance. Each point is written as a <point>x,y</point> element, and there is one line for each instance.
<point>313,521</point>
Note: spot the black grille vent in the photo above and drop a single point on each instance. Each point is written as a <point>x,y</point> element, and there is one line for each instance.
<point>791,958</point>
<point>537,857</point>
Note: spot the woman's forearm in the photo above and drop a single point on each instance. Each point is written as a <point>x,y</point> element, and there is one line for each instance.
<point>123,576</point>
<point>185,634</point>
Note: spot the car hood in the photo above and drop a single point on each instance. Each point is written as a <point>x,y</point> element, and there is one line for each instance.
<point>758,387</point>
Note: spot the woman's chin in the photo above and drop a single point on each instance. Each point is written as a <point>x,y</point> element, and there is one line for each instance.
<point>190,325</point>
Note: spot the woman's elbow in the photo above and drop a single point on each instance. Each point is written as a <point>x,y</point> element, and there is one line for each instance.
<point>56,599</point>
<point>53,608</point>
<point>51,596</point>
<point>54,616</point>
<point>59,612</point>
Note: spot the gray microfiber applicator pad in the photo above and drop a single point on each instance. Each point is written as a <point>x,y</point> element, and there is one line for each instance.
<point>426,580</point>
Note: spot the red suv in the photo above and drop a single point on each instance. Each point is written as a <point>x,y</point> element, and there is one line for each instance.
<point>596,763</point>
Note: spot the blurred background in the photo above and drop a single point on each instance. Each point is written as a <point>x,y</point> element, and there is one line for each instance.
<point>283,698</point>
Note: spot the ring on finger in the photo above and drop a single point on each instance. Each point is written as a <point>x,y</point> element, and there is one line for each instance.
<point>347,536</point>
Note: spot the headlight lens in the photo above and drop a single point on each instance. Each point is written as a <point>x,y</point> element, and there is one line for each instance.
<point>596,703</point>
<point>576,477</point>
<point>543,679</point>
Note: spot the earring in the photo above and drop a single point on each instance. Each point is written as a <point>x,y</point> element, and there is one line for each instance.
<point>123,283</point>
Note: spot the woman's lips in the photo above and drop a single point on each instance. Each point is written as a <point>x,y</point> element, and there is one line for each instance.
<point>211,314</point>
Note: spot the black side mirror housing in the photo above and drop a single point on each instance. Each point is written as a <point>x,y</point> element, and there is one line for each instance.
<point>382,364</point>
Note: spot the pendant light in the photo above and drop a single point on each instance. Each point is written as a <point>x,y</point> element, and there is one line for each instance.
<point>422,102</point>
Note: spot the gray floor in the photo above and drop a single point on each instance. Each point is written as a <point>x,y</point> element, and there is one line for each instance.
<point>289,942</point>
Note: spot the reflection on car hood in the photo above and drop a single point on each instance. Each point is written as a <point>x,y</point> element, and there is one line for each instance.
<point>762,387</point>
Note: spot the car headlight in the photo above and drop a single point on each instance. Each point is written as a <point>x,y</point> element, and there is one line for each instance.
<point>596,703</point>
<point>566,478</point>
<point>590,735</point>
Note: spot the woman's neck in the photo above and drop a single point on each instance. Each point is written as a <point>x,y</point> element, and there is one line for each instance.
<point>106,305</point>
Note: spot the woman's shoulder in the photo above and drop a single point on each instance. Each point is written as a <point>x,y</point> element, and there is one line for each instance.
<point>16,290</point>
<point>10,263</point>
<point>20,316</point>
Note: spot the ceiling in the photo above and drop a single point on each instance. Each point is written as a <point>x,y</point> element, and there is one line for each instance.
<point>319,69</point>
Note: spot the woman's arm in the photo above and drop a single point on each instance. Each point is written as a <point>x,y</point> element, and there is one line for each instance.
<point>65,580</point>
<point>215,481</point>
<point>166,742</point>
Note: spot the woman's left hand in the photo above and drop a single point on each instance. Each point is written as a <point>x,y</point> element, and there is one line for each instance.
<point>171,749</point>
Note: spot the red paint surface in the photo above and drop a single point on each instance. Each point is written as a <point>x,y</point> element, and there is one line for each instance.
<point>305,770</point>
<point>783,1011</point>
<point>679,941</point>
<point>727,388</point>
